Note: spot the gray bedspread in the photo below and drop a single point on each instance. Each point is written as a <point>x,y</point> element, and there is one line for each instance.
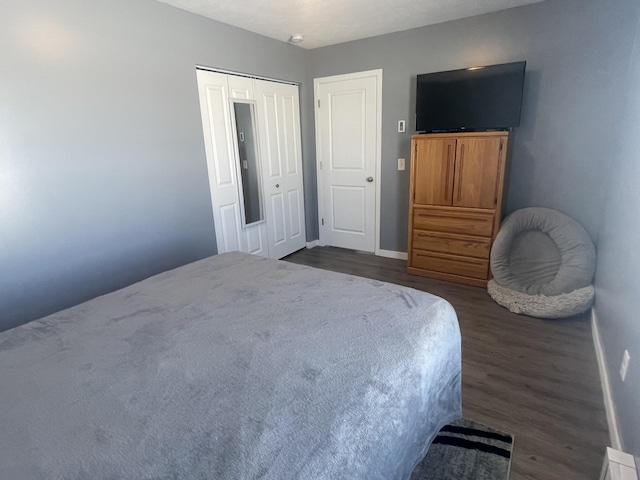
<point>232,367</point>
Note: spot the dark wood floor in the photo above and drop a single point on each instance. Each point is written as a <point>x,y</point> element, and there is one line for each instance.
<point>536,379</point>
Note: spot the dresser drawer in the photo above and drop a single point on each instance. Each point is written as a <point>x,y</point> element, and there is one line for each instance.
<point>453,243</point>
<point>452,264</point>
<point>453,221</point>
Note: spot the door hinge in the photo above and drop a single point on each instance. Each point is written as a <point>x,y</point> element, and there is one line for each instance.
<point>321,165</point>
<point>318,103</point>
<point>323,222</point>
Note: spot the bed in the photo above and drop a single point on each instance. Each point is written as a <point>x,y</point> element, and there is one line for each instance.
<point>232,367</point>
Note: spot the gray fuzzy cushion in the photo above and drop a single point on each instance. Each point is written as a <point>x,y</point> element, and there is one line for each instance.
<point>542,306</point>
<point>540,251</point>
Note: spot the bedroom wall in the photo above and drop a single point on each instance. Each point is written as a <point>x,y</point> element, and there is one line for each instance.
<point>103,176</point>
<point>618,269</point>
<point>575,54</point>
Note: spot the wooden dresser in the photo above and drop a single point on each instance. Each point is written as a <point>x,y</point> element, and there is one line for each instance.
<point>455,204</point>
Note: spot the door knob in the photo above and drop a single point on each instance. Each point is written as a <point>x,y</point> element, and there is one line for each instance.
<point>277,185</point>
<point>369,179</point>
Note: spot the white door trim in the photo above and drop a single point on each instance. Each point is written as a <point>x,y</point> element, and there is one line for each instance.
<point>377,181</point>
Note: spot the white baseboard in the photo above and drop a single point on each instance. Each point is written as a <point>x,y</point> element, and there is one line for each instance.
<point>392,254</point>
<point>380,253</point>
<point>609,406</point>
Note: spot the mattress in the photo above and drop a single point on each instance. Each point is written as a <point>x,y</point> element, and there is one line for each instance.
<point>232,367</point>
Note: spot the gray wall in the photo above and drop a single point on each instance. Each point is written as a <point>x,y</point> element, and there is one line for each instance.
<point>102,166</point>
<point>618,272</point>
<point>574,52</point>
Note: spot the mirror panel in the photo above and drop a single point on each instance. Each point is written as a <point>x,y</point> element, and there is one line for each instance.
<point>248,162</point>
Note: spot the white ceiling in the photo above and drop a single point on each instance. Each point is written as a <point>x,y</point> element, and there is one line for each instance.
<point>327,22</point>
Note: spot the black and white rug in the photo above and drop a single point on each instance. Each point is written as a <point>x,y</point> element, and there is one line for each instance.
<point>467,450</point>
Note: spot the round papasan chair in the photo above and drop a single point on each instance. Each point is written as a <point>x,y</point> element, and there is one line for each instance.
<point>543,264</point>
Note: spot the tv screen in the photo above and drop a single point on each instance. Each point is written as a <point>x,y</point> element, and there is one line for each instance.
<point>475,98</point>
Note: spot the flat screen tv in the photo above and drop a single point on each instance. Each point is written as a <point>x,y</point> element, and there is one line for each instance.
<point>475,98</point>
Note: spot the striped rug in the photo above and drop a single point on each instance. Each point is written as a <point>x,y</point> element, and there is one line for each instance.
<point>467,450</point>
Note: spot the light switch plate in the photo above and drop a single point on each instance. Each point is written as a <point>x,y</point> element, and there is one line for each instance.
<point>400,126</point>
<point>401,164</point>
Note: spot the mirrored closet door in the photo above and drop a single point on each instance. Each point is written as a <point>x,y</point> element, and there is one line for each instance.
<point>252,142</point>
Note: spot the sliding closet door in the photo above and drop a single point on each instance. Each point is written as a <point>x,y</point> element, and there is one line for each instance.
<point>222,165</point>
<point>278,108</point>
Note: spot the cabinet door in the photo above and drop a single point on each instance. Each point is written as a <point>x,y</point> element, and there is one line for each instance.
<point>433,175</point>
<point>476,173</point>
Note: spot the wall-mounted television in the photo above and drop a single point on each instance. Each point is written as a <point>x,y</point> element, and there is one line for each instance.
<point>472,99</point>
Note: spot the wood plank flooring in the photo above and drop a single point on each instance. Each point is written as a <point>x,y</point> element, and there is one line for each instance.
<point>536,379</point>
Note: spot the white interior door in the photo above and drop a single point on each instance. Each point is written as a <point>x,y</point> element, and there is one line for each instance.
<point>215,90</point>
<point>348,127</point>
<point>279,131</point>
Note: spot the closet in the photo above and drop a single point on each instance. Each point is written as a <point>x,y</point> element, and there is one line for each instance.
<point>455,204</point>
<point>254,160</point>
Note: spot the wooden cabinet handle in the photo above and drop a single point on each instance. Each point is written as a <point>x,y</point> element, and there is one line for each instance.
<point>446,181</point>
<point>461,162</point>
